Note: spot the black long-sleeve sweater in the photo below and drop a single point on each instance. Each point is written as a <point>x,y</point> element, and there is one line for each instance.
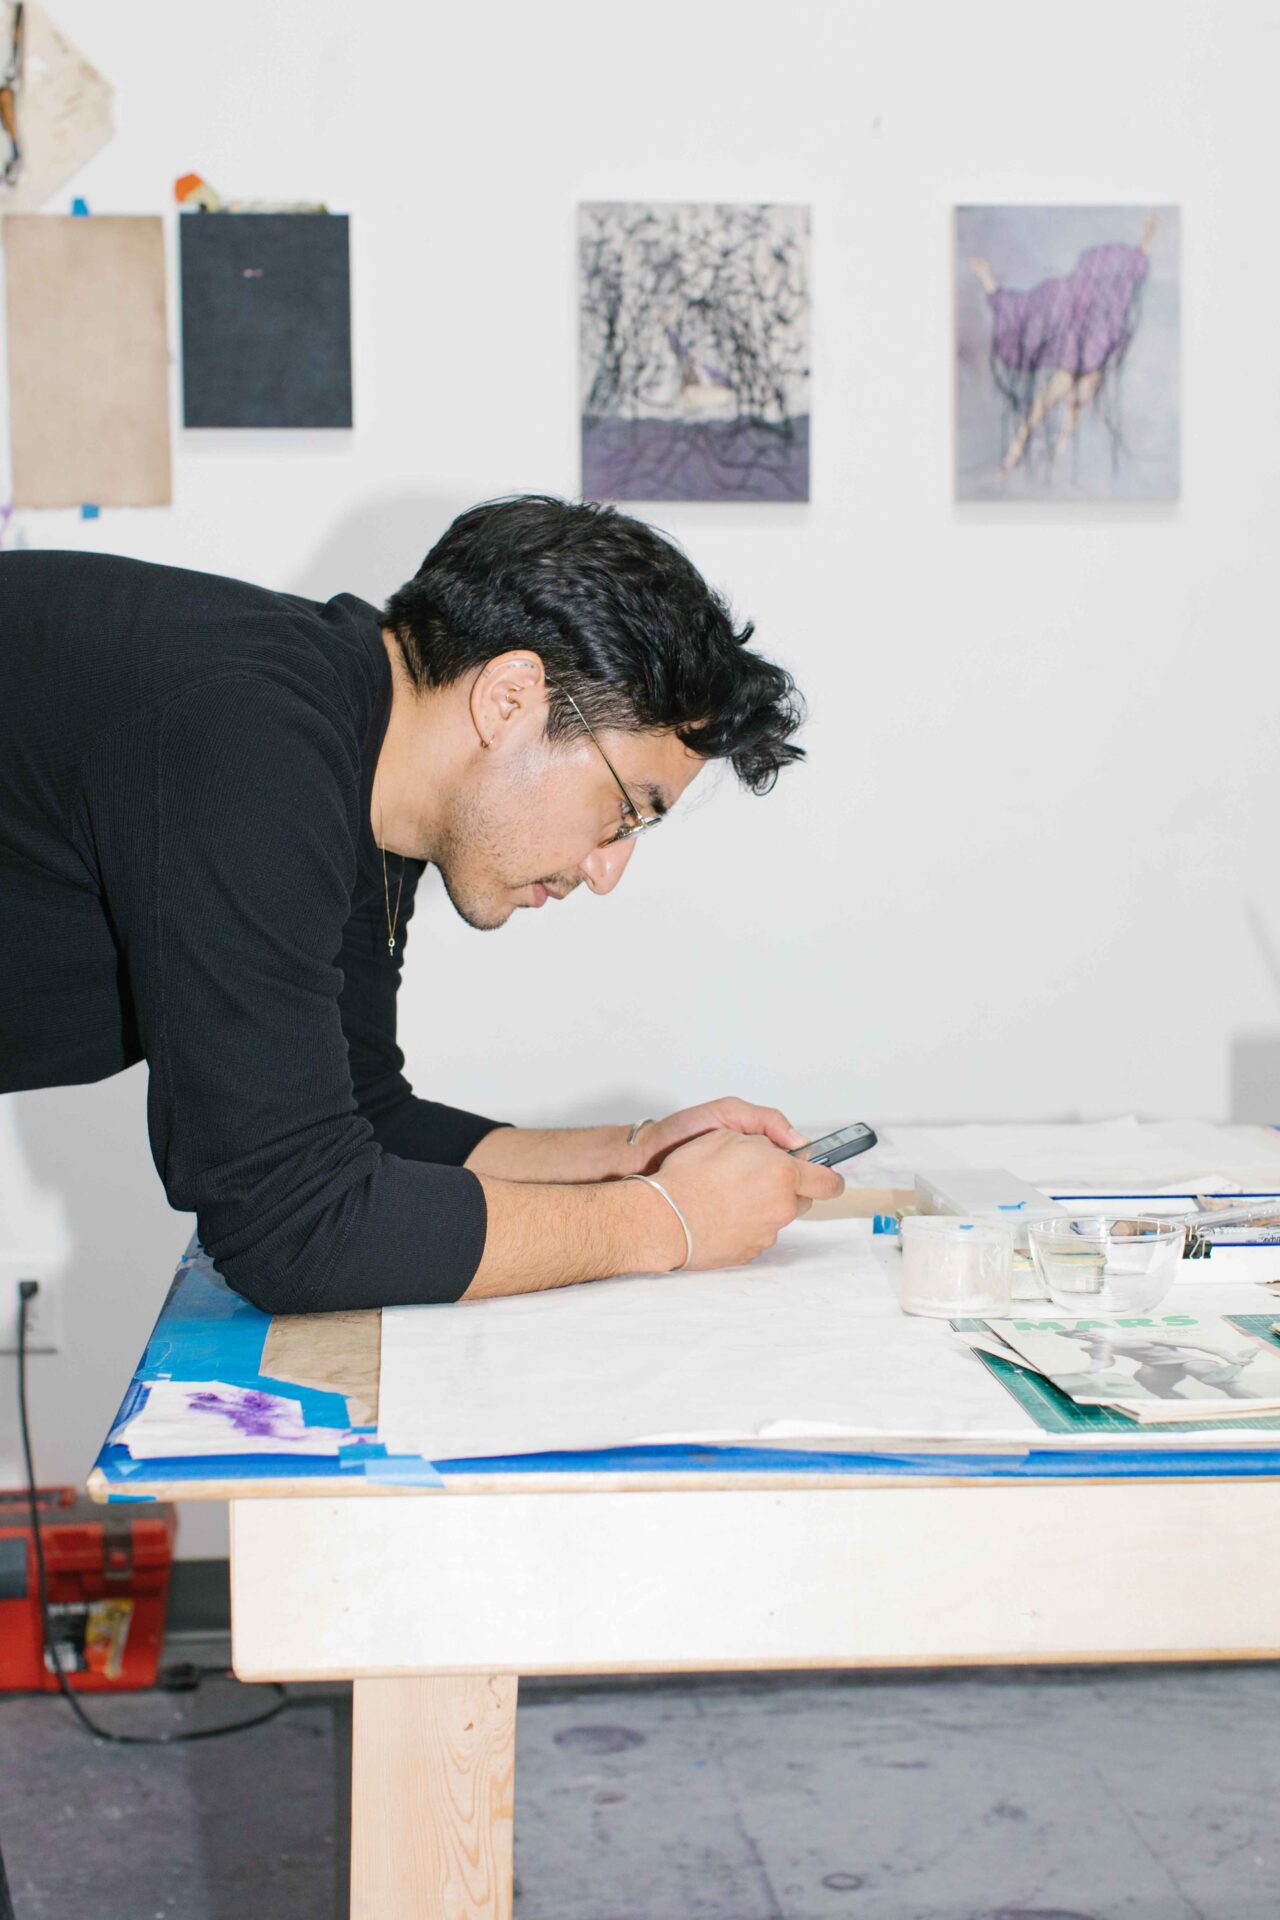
<point>188,874</point>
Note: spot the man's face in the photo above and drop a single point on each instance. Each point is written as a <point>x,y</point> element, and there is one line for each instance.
<point>533,823</point>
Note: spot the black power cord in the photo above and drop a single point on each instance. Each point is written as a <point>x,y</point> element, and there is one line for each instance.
<point>6,1904</point>
<point>184,1677</point>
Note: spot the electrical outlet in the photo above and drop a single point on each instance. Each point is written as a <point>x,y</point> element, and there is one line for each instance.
<point>44,1309</point>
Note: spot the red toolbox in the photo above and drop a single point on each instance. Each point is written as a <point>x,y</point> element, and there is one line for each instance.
<point>108,1576</point>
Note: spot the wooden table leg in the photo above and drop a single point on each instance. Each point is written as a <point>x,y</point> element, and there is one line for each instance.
<point>433,1798</point>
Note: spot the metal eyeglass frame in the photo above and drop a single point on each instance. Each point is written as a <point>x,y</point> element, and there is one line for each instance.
<point>643,821</point>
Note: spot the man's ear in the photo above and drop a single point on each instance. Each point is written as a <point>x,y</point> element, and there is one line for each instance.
<point>510,693</point>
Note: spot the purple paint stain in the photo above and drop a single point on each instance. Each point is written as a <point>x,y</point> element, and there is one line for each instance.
<point>251,1413</point>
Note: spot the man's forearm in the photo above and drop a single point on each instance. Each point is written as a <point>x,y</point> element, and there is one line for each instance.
<point>552,1236</point>
<point>554,1154</point>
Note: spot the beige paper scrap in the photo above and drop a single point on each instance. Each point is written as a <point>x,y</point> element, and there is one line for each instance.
<point>88,360</point>
<point>63,107</point>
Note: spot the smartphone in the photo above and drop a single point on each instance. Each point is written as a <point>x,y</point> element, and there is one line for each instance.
<point>834,1147</point>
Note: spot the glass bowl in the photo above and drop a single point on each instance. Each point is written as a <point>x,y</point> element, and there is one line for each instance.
<point>1097,1264</point>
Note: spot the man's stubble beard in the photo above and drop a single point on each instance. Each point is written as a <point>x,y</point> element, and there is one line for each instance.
<point>475,838</point>
<point>471,839</point>
<point>469,913</point>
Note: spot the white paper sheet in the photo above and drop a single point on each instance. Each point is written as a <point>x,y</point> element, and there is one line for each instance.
<point>807,1343</point>
<point>1116,1156</point>
<point>181,1417</point>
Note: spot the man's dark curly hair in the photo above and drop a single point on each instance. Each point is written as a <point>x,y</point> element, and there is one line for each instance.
<point>621,619</point>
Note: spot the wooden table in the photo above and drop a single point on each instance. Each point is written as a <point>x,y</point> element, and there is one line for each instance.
<point>433,1595</point>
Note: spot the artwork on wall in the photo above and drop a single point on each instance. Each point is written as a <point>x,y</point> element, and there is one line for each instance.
<point>1067,353</point>
<point>266,320</point>
<point>695,351</point>
<point>88,360</point>
<point>55,109</point>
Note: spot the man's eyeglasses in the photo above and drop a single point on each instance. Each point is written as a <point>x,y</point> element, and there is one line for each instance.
<point>639,822</point>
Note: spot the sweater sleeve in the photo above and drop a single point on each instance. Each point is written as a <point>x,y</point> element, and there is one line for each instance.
<point>229,896</point>
<point>402,1123</point>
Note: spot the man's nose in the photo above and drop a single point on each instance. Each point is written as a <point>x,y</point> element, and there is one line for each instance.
<point>605,866</point>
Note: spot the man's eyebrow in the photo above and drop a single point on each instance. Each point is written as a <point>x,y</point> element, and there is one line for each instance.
<point>655,795</point>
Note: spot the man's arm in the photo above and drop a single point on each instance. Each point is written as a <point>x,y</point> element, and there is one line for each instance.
<point>554,1154</point>
<point>604,1153</point>
<point>554,1236</point>
<point>735,1191</point>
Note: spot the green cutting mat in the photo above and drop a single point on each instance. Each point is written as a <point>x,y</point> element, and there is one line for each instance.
<point>1056,1412</point>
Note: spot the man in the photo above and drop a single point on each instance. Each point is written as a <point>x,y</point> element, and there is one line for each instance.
<point>216,803</point>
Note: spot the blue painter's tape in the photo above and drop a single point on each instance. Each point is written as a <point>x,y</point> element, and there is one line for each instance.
<point>1034,1464</point>
<point>1050,1463</point>
<point>80,207</point>
<point>134,1400</point>
<point>88,512</point>
<point>116,1462</point>
<point>207,1332</point>
<point>397,1471</point>
<point>678,1459</point>
<point>115,1465</point>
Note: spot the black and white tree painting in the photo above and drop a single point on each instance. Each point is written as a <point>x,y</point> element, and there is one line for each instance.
<point>695,351</point>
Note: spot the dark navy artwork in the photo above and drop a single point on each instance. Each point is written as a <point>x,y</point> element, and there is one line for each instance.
<point>266,320</point>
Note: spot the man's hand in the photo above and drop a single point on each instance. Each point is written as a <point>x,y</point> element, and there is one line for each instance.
<point>658,1138</point>
<point>738,1191</point>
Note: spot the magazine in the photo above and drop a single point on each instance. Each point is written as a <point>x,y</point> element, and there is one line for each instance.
<point>1154,1369</point>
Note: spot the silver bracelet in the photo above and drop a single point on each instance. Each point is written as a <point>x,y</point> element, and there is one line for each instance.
<point>634,1134</point>
<point>658,1187</point>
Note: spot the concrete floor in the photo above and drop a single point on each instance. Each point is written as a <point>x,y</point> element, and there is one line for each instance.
<point>1122,1794</point>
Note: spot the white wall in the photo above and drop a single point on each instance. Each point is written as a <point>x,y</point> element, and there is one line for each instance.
<point>1039,736</point>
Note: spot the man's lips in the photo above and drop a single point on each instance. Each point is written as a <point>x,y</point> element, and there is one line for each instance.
<point>542,893</point>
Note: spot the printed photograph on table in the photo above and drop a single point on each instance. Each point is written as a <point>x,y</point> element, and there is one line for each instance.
<point>695,351</point>
<point>1067,353</point>
<point>1153,1369</point>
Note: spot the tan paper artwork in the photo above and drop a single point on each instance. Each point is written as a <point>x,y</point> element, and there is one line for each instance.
<point>88,360</point>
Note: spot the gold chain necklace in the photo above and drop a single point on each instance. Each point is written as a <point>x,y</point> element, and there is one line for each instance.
<point>386,887</point>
